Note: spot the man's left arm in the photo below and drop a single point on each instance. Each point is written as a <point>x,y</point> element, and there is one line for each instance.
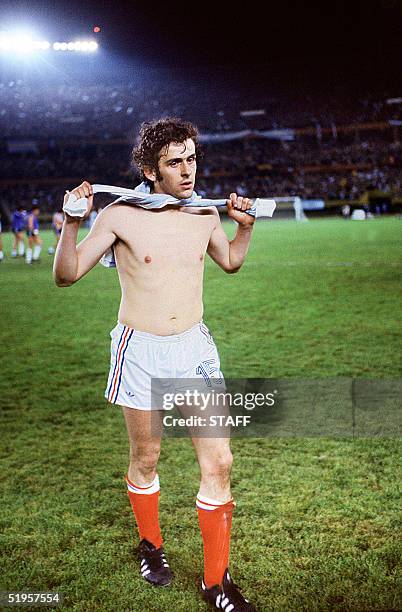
<point>230,254</point>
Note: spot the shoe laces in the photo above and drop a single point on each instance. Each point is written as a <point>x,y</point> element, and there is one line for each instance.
<point>155,559</point>
<point>233,592</point>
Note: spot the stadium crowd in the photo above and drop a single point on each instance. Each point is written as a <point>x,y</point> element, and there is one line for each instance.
<point>257,167</point>
<point>55,134</point>
<point>59,160</point>
<point>33,109</point>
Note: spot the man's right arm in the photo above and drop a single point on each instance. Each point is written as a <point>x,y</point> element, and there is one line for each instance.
<point>72,262</point>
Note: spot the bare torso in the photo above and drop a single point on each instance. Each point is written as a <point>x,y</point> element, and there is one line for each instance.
<point>160,261</point>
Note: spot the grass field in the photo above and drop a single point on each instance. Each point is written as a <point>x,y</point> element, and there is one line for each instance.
<point>316,523</point>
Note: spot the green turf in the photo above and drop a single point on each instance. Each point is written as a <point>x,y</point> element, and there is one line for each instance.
<point>316,522</point>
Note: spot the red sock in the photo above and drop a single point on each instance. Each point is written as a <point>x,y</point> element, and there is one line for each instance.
<point>215,521</point>
<point>144,502</point>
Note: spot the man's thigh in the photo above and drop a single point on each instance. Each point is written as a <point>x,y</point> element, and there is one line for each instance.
<point>144,427</point>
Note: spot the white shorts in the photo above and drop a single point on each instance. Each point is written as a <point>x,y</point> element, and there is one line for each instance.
<point>138,357</point>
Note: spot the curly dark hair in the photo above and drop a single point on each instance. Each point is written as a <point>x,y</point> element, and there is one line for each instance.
<point>155,135</point>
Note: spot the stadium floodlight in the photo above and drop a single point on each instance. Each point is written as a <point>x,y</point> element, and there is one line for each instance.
<point>25,43</point>
<point>17,42</point>
<point>78,45</point>
<point>41,45</point>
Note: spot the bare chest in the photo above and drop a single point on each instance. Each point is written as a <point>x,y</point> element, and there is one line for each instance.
<point>166,238</point>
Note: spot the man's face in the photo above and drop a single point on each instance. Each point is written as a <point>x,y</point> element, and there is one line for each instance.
<point>177,169</point>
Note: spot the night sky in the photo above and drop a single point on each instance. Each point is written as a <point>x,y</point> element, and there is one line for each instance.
<point>338,41</point>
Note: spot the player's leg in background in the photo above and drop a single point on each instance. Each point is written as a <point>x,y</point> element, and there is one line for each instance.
<point>142,478</point>
<point>52,249</point>
<point>1,246</point>
<point>37,240</point>
<point>28,256</point>
<point>15,245</point>
<point>20,244</point>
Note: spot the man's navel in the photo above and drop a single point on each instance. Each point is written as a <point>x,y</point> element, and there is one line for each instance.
<point>147,259</point>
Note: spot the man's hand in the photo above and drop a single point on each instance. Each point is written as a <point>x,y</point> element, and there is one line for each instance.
<point>236,206</point>
<point>82,191</point>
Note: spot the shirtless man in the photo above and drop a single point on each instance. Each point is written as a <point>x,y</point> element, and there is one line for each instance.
<point>160,261</point>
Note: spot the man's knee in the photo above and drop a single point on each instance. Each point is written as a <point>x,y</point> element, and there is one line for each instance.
<point>145,457</point>
<point>217,466</point>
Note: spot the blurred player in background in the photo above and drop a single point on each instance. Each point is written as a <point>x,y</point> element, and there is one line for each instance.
<point>160,256</point>
<point>34,240</point>
<point>92,216</point>
<point>17,226</point>
<point>57,224</point>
